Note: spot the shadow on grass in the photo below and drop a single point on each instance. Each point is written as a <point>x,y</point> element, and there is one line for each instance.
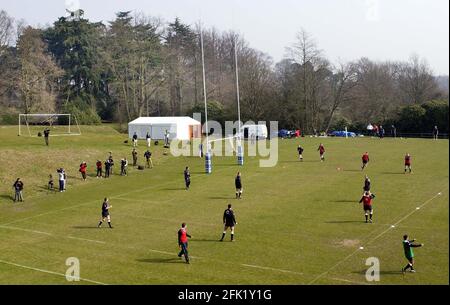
<point>392,173</point>
<point>85,227</point>
<point>345,221</point>
<point>7,197</point>
<point>173,260</point>
<point>205,240</point>
<point>174,189</point>
<point>298,161</point>
<point>221,198</point>
<point>387,272</point>
<point>353,170</point>
<point>345,201</point>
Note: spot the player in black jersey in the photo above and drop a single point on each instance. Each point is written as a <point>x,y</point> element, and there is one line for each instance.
<point>105,213</point>
<point>229,221</point>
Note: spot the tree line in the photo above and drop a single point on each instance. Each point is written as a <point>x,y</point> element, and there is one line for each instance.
<point>138,65</point>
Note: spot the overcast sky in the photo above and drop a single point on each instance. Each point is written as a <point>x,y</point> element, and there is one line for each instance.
<point>343,29</point>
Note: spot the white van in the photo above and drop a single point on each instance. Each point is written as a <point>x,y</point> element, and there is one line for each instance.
<point>258,131</point>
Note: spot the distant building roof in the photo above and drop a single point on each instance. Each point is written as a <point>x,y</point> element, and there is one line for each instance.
<point>165,120</point>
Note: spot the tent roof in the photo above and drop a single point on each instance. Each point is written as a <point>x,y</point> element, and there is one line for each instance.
<point>165,120</point>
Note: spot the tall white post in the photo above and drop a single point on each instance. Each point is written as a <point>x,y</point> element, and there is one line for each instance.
<point>240,153</point>
<point>208,161</point>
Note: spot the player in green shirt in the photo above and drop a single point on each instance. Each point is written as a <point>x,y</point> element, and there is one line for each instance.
<point>408,246</point>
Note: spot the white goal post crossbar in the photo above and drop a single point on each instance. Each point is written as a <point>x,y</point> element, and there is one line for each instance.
<point>47,117</point>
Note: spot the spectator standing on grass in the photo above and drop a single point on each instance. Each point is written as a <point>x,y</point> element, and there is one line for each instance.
<point>99,169</point>
<point>111,164</point>
<point>60,179</point>
<point>107,168</point>
<point>183,242</point>
<point>381,134</point>
<point>435,133</point>
<point>134,154</point>
<point>46,135</point>
<point>123,167</point>
<point>18,190</point>
<point>135,140</point>
<point>200,150</point>
<point>83,169</point>
<point>148,158</point>
<point>65,178</point>
<point>393,131</point>
<point>148,139</point>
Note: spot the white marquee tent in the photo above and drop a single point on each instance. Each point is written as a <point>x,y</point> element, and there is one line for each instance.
<point>181,128</point>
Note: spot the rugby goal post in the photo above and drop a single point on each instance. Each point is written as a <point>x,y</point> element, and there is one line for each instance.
<point>60,124</point>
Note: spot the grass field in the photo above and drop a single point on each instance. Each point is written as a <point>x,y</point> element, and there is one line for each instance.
<point>298,223</point>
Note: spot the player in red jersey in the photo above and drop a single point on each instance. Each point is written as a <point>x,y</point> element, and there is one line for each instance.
<point>367,205</point>
<point>183,242</point>
<point>321,150</point>
<point>365,160</point>
<point>408,163</point>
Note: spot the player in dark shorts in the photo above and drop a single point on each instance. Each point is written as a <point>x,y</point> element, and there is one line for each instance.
<point>187,177</point>
<point>238,185</point>
<point>183,242</point>
<point>408,246</point>
<point>408,163</point>
<point>148,158</point>
<point>105,213</point>
<point>365,160</point>
<point>300,152</point>
<point>50,185</point>
<point>367,183</point>
<point>367,206</point>
<point>321,150</point>
<point>229,221</point>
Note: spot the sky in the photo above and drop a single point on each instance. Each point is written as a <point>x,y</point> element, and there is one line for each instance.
<point>344,29</point>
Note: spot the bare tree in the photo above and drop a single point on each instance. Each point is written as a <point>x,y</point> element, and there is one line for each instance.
<point>341,84</point>
<point>416,81</point>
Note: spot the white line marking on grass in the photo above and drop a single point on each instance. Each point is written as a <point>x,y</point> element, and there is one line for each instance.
<point>270,268</point>
<point>373,239</point>
<point>89,240</point>
<point>347,281</point>
<point>26,230</point>
<point>51,234</point>
<point>47,271</point>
